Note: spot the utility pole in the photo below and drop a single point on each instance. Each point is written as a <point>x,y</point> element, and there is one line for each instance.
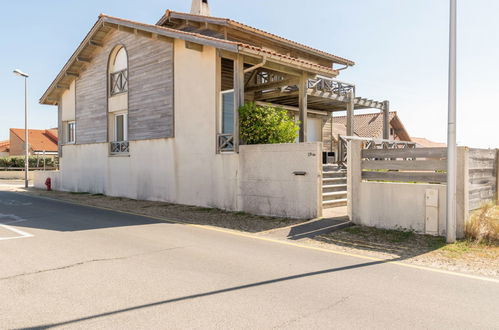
<point>451,129</point>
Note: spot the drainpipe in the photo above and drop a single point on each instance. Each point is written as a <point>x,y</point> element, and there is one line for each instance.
<point>254,67</point>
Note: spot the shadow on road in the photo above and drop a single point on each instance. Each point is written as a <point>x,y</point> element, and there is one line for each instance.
<point>210,293</point>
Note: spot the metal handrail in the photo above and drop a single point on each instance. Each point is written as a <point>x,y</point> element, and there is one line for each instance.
<point>119,147</point>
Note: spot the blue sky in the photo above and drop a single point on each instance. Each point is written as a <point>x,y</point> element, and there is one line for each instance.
<point>399,46</point>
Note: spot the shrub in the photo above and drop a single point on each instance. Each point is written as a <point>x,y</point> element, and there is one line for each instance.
<point>18,162</point>
<point>483,224</point>
<point>266,125</point>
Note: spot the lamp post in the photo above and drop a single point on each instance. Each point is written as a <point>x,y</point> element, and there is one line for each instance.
<point>26,144</point>
<point>451,131</point>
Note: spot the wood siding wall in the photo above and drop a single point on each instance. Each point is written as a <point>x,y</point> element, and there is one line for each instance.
<point>150,110</point>
<point>482,176</point>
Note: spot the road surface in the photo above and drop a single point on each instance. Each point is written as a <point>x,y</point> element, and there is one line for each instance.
<point>70,266</point>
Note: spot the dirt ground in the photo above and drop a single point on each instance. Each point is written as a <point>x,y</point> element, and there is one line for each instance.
<point>423,250</point>
<point>189,214</point>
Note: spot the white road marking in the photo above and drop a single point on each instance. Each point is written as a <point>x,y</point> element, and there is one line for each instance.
<point>5,225</point>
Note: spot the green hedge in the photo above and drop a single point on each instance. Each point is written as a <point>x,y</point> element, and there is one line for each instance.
<point>267,125</point>
<point>18,162</point>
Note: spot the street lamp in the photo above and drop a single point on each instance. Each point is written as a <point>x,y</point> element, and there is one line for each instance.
<point>451,131</point>
<point>26,150</point>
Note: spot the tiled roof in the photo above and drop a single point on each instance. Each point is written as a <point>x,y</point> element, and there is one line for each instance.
<point>262,32</point>
<point>367,125</point>
<point>425,143</point>
<point>4,146</point>
<point>39,139</point>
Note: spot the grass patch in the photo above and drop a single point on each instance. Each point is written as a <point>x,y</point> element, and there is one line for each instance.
<point>483,225</point>
<point>97,194</point>
<point>79,193</point>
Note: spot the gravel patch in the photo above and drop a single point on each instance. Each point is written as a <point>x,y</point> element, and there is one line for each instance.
<point>189,214</point>
<point>423,250</point>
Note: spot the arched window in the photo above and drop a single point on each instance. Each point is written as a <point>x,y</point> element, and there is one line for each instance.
<point>118,71</point>
<point>118,101</point>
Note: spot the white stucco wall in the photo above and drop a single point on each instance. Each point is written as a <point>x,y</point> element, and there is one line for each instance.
<point>268,185</point>
<point>39,178</point>
<point>397,206</point>
<point>68,103</point>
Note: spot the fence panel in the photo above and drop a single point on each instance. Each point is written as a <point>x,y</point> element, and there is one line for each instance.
<point>402,165</point>
<point>482,176</point>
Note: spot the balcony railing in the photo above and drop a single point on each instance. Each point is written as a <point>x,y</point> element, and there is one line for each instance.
<point>119,82</point>
<point>118,148</point>
<point>225,142</point>
<point>324,84</point>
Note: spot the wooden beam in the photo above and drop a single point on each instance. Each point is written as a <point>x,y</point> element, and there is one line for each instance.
<point>62,86</point>
<point>386,120</point>
<point>72,74</point>
<point>350,109</point>
<point>238,96</point>
<point>302,101</point>
<point>272,85</point>
<point>193,46</point>
<point>95,43</point>
<point>83,59</point>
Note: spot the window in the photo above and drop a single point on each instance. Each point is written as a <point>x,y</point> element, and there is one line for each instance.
<point>71,132</point>
<point>392,131</point>
<point>227,112</point>
<point>118,77</point>
<point>120,127</point>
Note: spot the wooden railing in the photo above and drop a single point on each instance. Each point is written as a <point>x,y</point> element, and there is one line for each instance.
<point>416,165</point>
<point>368,143</point>
<point>329,85</point>
<point>121,147</point>
<point>225,142</point>
<point>119,82</point>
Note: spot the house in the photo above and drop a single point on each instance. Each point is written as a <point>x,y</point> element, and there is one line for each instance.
<point>4,148</point>
<point>425,143</point>
<point>41,142</point>
<point>150,111</point>
<point>368,125</point>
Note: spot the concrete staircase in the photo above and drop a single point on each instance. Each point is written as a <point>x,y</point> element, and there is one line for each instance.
<point>334,186</point>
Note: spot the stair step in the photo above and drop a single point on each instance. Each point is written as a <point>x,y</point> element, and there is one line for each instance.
<point>324,180</point>
<point>334,193</point>
<point>335,201</point>
<point>332,186</point>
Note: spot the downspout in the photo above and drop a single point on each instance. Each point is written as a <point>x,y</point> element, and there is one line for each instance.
<point>254,67</point>
<point>343,68</point>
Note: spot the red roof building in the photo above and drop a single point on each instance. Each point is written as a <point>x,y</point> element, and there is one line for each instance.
<point>40,141</point>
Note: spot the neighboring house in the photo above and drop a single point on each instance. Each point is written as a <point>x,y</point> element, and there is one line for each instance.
<point>4,148</point>
<point>425,143</point>
<point>40,141</point>
<point>365,125</point>
<point>151,112</point>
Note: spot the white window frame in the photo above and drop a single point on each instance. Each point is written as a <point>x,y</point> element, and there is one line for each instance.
<point>125,126</point>
<point>70,139</point>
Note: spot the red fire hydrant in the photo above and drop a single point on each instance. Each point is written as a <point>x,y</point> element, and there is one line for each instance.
<point>48,183</point>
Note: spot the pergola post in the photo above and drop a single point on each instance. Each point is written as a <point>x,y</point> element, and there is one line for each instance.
<point>303,107</point>
<point>386,120</point>
<point>350,109</point>
<point>238,96</point>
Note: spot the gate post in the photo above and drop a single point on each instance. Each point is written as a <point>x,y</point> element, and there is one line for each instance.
<point>462,190</point>
<point>354,178</point>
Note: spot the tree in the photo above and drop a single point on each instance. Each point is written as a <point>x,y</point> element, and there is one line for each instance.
<point>266,125</point>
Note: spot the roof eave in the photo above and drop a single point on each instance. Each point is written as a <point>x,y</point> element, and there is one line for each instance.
<point>229,22</point>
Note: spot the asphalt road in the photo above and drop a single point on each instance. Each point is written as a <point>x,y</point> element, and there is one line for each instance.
<point>69,266</point>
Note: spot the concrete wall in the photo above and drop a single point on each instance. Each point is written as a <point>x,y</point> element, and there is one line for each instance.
<point>268,185</point>
<point>402,206</point>
<point>39,178</point>
<point>397,206</point>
